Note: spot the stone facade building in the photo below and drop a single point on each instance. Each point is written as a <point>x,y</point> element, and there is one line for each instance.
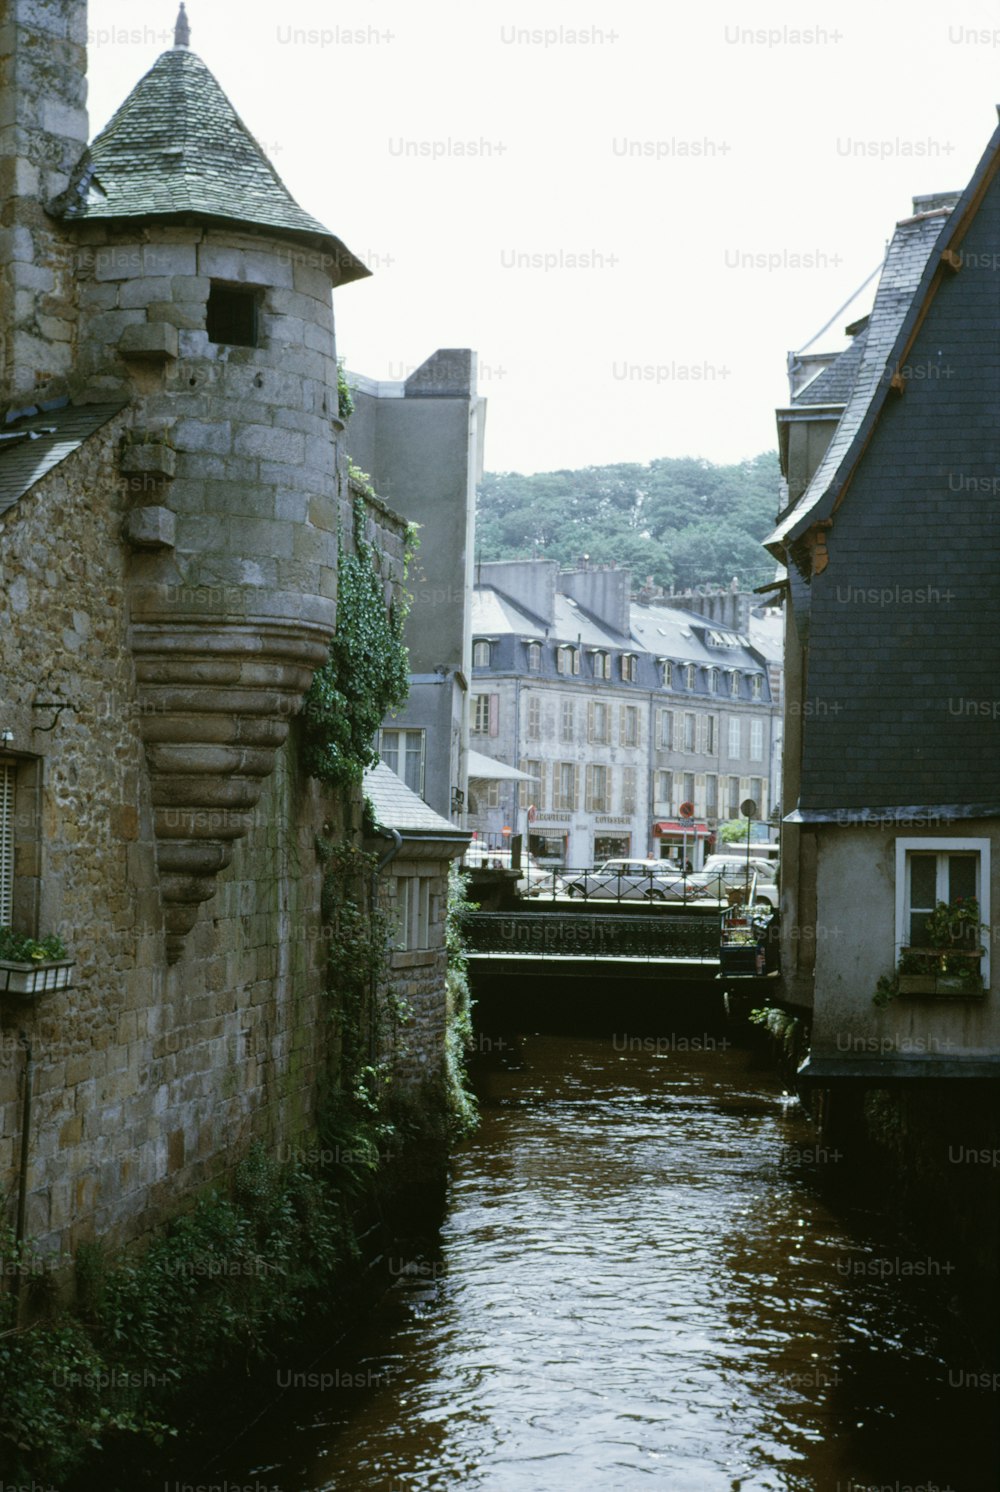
<point>620,710</point>
<point>173,479</point>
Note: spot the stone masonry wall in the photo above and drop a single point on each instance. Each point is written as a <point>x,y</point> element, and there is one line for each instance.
<point>150,1079</point>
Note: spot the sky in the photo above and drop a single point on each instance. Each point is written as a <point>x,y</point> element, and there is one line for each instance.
<point>631,213</point>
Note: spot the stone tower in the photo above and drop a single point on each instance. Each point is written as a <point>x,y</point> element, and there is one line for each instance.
<point>202,293</point>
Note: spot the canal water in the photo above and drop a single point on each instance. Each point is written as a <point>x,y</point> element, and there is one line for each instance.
<point>641,1283</point>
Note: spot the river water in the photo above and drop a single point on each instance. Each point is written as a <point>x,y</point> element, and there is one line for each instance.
<point>640,1284</point>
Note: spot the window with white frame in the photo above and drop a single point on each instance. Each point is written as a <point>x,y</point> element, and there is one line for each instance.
<point>481,654</point>
<point>403,751</point>
<point>933,870</point>
<point>413,909</point>
<point>564,786</point>
<point>630,667</point>
<point>757,686</point>
<point>712,795</point>
<point>668,674</point>
<point>481,714</point>
<point>567,660</point>
<point>665,729</point>
<point>734,735</point>
<point>568,720</point>
<point>602,665</point>
<point>706,728</point>
<point>756,740</point>
<point>534,656</point>
<point>630,725</point>
<point>598,715</point>
<point>690,673</point>
<point>734,684</point>
<point>630,786</point>
<point>690,727</point>
<point>533,791</point>
<point>664,790</point>
<point>598,789</point>
<point>534,717</point>
<point>493,795</point>
<point>688,788</point>
<point>712,680</point>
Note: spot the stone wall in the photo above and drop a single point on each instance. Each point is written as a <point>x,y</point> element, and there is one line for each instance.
<point>150,1079</point>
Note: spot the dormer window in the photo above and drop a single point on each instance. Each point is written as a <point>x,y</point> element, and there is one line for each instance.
<point>757,686</point>
<point>668,674</point>
<point>481,653</point>
<point>602,665</point>
<point>567,660</point>
<point>734,684</point>
<point>534,656</point>
<point>689,676</point>
<point>630,667</point>
<point>232,319</point>
<point>712,678</point>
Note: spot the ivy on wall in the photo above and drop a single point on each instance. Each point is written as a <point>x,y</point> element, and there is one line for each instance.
<point>367,673</point>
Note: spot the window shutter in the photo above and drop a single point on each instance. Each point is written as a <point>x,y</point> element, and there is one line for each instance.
<point>699,794</point>
<point>621,725</point>
<point>576,788</point>
<point>494,714</point>
<point>540,790</point>
<point>6,845</point>
<point>590,720</point>
<point>590,790</point>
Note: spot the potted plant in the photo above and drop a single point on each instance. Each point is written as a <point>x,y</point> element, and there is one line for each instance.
<point>31,966</point>
<point>947,960</point>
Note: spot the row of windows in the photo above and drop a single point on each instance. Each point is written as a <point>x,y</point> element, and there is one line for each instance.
<point>700,733</point>
<point>675,731</point>
<point>673,675</point>
<point>567,786</point>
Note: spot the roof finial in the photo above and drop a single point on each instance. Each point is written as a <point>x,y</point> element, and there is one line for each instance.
<point>182,31</point>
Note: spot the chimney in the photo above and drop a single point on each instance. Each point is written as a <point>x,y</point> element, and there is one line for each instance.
<point>43,133</point>
<point>934,201</point>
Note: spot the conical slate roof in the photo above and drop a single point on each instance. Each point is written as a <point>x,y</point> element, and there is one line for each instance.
<point>177,148</point>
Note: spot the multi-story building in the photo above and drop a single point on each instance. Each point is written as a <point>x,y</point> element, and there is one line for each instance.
<point>622,714</point>
<point>421,441</point>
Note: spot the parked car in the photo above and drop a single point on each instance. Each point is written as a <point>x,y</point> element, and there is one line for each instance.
<point>649,880</point>
<point>534,879</point>
<point>724,873</point>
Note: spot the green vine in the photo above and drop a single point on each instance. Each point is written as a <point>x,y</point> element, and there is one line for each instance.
<point>345,399</point>
<point>459,1035</point>
<point>367,673</point>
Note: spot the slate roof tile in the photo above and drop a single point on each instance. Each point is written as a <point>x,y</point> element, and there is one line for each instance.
<point>177,147</point>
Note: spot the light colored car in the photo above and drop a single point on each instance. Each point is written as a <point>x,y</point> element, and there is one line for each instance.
<point>534,879</point>
<point>635,880</point>
<point>724,873</point>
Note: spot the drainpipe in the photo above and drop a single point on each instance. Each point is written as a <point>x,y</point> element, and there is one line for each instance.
<point>22,1180</point>
<point>383,861</point>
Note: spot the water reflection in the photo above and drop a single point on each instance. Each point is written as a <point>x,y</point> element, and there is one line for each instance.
<point>639,1285</point>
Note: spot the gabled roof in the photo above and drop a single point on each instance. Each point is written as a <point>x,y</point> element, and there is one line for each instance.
<point>909,269</point>
<point>398,807</point>
<point>30,446</point>
<point>177,148</point>
<point>834,384</point>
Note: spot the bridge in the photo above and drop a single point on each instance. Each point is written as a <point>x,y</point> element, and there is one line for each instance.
<point>570,939</point>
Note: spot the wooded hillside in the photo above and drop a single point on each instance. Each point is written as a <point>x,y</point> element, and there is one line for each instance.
<point>680,519</point>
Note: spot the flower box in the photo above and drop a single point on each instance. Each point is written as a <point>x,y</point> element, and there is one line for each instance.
<point>35,978</point>
<point>942,971</point>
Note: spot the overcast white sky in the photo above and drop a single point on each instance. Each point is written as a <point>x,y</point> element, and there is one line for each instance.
<point>799,145</point>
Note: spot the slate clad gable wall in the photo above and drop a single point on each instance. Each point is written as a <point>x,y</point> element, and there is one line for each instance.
<point>905,626</point>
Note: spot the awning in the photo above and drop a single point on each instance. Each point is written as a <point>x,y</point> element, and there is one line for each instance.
<point>485,769</point>
<point>682,826</point>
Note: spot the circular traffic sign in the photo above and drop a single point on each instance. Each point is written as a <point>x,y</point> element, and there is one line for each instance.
<point>686,810</point>
<point>748,808</point>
